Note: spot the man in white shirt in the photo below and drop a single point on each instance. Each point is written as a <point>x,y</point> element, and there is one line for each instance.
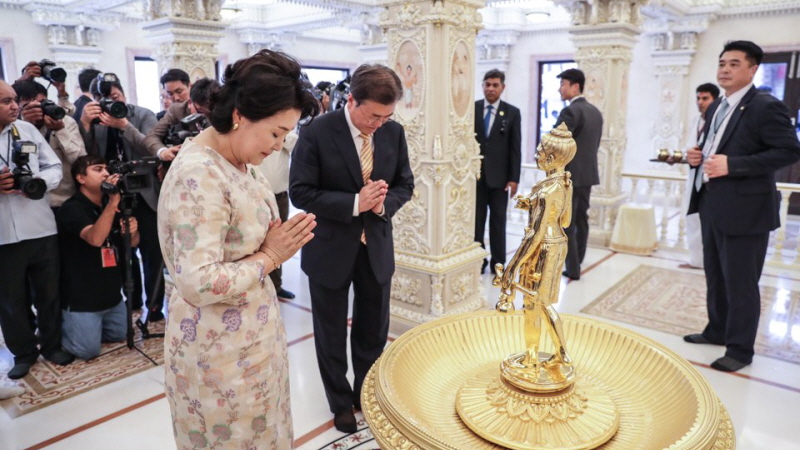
<point>704,95</point>
<point>28,243</point>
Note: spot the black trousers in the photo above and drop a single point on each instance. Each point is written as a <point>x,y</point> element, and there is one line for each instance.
<point>496,201</point>
<point>733,266</point>
<point>578,231</point>
<point>33,263</point>
<point>152,260</point>
<point>283,211</point>
<point>370,329</point>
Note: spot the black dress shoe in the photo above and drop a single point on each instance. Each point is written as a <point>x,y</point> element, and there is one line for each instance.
<point>283,293</point>
<point>60,357</point>
<point>19,370</point>
<point>345,421</point>
<point>570,276</point>
<point>699,339</point>
<point>728,364</point>
<point>483,267</point>
<point>155,316</point>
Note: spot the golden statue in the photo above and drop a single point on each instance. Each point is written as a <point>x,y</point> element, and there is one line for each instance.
<point>539,261</point>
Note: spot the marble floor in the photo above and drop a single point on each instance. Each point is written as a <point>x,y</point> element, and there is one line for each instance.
<point>132,413</point>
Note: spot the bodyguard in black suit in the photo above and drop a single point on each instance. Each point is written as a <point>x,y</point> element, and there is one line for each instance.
<point>497,130</point>
<point>747,137</point>
<point>586,124</point>
<point>350,168</point>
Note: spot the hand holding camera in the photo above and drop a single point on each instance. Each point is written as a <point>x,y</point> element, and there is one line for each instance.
<point>45,69</point>
<point>91,111</point>
<point>7,182</point>
<point>113,122</point>
<point>109,186</point>
<point>45,112</point>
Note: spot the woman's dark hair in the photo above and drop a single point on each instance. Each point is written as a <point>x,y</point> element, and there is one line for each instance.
<point>261,86</point>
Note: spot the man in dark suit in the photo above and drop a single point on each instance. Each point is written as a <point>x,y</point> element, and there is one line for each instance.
<point>586,124</point>
<point>350,168</point>
<point>747,137</point>
<point>497,130</point>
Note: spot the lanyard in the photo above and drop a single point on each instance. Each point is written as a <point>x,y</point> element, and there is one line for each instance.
<point>13,134</point>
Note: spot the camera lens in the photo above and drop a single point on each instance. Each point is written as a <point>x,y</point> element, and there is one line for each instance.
<point>55,74</point>
<point>118,110</point>
<point>33,188</point>
<point>54,111</point>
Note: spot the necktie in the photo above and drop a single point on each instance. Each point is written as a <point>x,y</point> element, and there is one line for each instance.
<point>719,117</point>
<point>366,167</point>
<point>487,119</point>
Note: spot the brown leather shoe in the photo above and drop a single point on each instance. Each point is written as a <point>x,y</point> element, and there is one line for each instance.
<point>345,421</point>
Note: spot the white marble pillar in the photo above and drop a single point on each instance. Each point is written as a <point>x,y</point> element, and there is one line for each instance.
<point>185,34</point>
<point>431,45</point>
<point>604,33</point>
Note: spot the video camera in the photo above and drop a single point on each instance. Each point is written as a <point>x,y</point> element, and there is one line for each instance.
<point>135,176</point>
<point>102,88</point>
<point>33,187</point>
<point>339,94</point>
<point>189,126</point>
<point>50,109</point>
<point>51,72</point>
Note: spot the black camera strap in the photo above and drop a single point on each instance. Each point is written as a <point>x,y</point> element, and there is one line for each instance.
<point>13,134</point>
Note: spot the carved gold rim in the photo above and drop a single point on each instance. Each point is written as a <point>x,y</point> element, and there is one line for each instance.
<point>409,395</point>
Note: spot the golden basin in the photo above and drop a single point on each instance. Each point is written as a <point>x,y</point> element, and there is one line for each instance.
<point>409,395</point>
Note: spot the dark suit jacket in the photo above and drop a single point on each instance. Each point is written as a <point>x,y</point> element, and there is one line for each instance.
<point>586,124</point>
<point>502,155</point>
<point>140,122</point>
<point>325,175</point>
<point>758,140</point>
<point>155,138</point>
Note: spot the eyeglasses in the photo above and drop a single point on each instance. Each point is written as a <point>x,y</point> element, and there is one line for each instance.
<point>373,118</point>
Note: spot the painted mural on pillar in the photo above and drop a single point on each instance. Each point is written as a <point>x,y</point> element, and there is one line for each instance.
<point>459,79</point>
<point>409,69</point>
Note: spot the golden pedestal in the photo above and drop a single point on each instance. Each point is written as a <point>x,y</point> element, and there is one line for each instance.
<point>411,394</point>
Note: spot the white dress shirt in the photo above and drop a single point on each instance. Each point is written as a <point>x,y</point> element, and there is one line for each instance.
<point>495,105</point>
<point>21,218</point>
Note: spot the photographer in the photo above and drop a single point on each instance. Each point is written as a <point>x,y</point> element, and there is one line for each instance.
<point>122,139</point>
<point>91,261</point>
<point>55,75</point>
<point>28,241</point>
<point>156,140</point>
<point>60,131</point>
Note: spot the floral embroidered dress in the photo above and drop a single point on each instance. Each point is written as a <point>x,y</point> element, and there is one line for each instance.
<point>227,374</point>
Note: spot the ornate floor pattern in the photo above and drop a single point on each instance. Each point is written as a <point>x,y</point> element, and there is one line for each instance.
<point>49,383</point>
<point>361,440</point>
<point>674,302</point>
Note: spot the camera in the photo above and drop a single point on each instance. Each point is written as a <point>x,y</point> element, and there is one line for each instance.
<point>339,94</point>
<point>189,126</point>
<point>101,87</point>
<point>50,109</point>
<point>135,176</point>
<point>34,188</point>
<point>51,72</point>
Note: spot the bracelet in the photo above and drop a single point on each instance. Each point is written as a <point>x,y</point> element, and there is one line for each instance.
<point>270,258</point>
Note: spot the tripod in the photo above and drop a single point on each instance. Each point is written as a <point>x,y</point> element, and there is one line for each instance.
<point>127,205</point>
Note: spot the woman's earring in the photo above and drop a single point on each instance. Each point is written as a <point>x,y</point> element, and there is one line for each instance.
<point>236,126</point>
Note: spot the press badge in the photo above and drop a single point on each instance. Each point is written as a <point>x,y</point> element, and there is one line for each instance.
<point>108,255</point>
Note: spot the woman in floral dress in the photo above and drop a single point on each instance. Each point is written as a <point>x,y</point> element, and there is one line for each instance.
<point>227,376</point>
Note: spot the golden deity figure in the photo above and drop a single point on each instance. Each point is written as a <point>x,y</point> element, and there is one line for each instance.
<point>538,263</point>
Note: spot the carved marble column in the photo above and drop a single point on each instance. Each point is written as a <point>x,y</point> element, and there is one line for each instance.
<point>604,33</point>
<point>494,49</point>
<point>672,56</point>
<point>185,34</point>
<point>73,39</point>
<point>432,48</point>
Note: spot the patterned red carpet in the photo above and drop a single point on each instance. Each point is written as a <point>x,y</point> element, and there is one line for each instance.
<point>673,301</point>
<point>48,383</point>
